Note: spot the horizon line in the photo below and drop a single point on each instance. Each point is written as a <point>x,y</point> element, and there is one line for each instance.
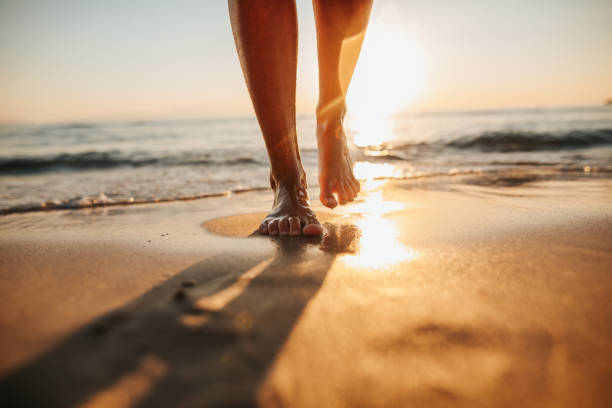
<point>416,111</point>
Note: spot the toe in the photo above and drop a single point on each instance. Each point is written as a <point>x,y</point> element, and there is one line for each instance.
<point>263,228</point>
<point>356,185</point>
<point>350,191</point>
<point>326,196</point>
<point>341,194</point>
<point>312,226</point>
<point>283,226</point>
<point>312,229</point>
<point>273,227</point>
<point>295,228</point>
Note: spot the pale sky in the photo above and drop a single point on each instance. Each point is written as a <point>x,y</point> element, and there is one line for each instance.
<point>71,60</point>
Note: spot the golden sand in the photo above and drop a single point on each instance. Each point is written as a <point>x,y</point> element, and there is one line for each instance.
<point>465,295</point>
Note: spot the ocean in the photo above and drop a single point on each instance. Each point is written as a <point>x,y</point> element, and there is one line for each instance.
<point>77,165</point>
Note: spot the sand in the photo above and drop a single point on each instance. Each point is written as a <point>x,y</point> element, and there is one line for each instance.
<point>433,293</point>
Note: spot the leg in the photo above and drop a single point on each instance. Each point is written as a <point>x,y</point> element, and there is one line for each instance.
<point>265,32</point>
<point>341,26</point>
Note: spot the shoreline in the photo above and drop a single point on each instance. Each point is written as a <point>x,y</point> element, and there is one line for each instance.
<point>538,171</point>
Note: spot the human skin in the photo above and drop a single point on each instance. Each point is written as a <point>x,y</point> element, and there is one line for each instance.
<point>265,32</point>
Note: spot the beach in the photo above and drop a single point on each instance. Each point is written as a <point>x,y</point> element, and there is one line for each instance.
<point>305,204</point>
<point>479,290</point>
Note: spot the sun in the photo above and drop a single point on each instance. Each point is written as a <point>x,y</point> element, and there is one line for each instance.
<point>390,76</point>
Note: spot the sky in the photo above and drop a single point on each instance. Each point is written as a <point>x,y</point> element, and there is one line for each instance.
<point>80,60</point>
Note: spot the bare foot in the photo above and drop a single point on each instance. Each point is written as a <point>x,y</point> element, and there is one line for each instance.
<point>335,163</point>
<point>291,214</point>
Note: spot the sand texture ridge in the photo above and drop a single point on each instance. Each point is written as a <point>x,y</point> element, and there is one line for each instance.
<point>419,295</point>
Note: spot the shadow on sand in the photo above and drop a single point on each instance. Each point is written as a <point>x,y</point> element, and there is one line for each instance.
<point>206,337</point>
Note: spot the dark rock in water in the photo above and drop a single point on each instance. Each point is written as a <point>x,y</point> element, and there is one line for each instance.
<point>188,284</point>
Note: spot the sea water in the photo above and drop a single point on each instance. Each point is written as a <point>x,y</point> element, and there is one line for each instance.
<point>76,165</point>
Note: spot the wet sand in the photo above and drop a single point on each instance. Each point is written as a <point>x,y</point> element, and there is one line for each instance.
<point>421,294</point>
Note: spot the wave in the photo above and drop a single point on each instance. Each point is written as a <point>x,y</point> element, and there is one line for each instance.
<point>110,159</point>
<point>497,141</point>
<point>531,141</point>
<point>102,200</point>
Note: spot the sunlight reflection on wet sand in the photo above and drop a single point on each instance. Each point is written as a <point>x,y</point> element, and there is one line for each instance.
<point>375,206</point>
<point>379,243</point>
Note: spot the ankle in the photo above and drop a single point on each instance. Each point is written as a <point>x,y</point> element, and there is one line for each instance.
<point>288,178</point>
